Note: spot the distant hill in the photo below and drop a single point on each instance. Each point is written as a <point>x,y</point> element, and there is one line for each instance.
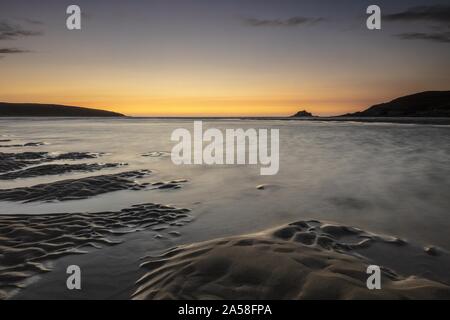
<point>424,104</point>
<point>301,114</point>
<point>51,110</point>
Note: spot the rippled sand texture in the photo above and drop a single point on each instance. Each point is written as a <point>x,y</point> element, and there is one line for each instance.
<point>28,144</point>
<point>76,189</point>
<point>303,260</point>
<point>26,241</point>
<point>56,169</point>
<point>16,161</point>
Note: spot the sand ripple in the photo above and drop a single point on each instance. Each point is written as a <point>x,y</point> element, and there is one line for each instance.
<point>57,169</point>
<point>16,161</point>
<point>26,241</point>
<point>156,154</point>
<point>75,189</point>
<point>302,260</point>
<point>28,144</point>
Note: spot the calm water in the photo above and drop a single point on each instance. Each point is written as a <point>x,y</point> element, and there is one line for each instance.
<point>386,178</point>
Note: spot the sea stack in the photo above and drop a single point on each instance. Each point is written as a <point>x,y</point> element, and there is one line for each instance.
<point>302,114</point>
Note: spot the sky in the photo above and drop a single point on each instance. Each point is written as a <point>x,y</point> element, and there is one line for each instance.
<point>222,57</point>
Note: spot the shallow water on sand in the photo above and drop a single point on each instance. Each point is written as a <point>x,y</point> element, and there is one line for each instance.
<point>386,178</point>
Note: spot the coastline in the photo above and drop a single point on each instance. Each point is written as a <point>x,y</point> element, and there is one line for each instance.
<point>445,121</point>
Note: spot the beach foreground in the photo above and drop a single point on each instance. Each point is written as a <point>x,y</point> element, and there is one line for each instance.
<point>103,194</point>
<point>302,260</point>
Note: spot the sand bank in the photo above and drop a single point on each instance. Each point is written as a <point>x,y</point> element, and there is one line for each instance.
<point>302,260</point>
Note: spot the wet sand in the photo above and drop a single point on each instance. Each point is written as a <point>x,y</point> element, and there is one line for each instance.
<point>306,259</point>
<point>302,260</point>
<point>75,189</point>
<point>57,169</point>
<point>28,241</point>
<point>15,161</point>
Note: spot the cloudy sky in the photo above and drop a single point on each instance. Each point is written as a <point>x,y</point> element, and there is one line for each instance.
<point>222,57</point>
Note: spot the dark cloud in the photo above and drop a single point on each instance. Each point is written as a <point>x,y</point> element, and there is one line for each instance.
<point>9,31</point>
<point>12,50</point>
<point>443,37</point>
<point>32,21</point>
<point>290,22</point>
<point>435,13</point>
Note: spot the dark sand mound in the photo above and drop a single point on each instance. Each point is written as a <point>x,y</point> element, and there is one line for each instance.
<point>16,161</point>
<point>156,154</point>
<point>56,169</point>
<point>74,156</point>
<point>26,241</point>
<point>23,156</point>
<point>303,260</point>
<point>48,156</point>
<point>75,189</point>
<point>173,184</point>
<point>10,165</point>
<point>28,144</point>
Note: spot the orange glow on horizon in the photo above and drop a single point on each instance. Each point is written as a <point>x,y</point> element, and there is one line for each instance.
<point>194,92</point>
<point>179,107</point>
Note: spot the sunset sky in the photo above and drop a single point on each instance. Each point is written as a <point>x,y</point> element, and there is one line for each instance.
<point>222,57</point>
